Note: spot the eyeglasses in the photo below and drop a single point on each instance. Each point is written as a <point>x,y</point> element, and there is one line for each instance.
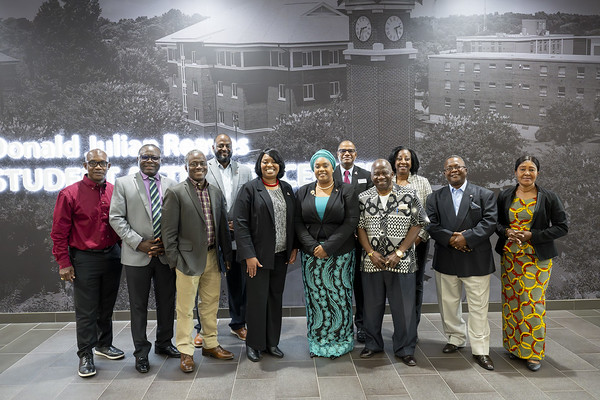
<point>148,158</point>
<point>349,151</point>
<point>196,165</point>
<point>94,164</point>
<point>458,168</point>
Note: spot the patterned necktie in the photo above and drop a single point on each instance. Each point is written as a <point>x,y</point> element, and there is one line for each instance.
<point>155,199</point>
<point>346,176</point>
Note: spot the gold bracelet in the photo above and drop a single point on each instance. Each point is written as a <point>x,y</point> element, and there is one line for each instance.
<point>371,253</point>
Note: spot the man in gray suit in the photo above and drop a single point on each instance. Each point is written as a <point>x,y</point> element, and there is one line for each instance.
<point>194,229</point>
<point>229,176</point>
<point>135,216</point>
<point>463,217</point>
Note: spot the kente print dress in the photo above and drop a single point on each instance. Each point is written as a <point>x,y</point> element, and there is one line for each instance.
<point>524,282</point>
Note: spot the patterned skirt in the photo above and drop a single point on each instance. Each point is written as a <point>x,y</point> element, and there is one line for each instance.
<point>524,283</point>
<point>328,295</point>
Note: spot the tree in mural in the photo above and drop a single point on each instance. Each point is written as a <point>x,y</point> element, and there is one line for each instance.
<point>109,107</point>
<point>486,141</point>
<point>567,122</point>
<point>572,172</point>
<point>297,136</point>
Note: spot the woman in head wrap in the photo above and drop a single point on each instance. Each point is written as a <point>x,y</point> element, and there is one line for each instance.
<point>326,218</point>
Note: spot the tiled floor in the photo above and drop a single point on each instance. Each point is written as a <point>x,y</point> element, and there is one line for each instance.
<point>38,361</point>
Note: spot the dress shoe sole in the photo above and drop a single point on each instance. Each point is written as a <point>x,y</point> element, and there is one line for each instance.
<point>142,371</point>
<point>534,366</point>
<point>187,371</point>
<point>96,352</point>
<point>86,375</point>
<point>198,346</point>
<point>217,357</point>
<point>237,335</point>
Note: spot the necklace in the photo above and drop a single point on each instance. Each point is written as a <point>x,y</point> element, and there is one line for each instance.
<point>269,184</point>
<point>325,188</point>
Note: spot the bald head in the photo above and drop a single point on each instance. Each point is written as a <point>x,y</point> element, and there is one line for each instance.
<point>223,149</point>
<point>381,175</point>
<point>96,163</point>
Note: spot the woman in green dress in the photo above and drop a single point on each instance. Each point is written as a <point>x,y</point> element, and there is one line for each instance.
<point>530,218</point>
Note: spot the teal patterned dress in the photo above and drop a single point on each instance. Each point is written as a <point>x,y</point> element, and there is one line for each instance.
<point>328,294</point>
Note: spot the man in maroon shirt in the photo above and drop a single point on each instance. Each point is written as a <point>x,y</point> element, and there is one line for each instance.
<point>85,247</point>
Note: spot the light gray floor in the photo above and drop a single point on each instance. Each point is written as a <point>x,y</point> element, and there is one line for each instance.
<point>38,361</point>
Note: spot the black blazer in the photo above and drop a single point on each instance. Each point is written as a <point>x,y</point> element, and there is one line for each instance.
<point>357,173</point>
<point>336,230</point>
<point>254,222</point>
<point>477,217</point>
<point>549,221</point>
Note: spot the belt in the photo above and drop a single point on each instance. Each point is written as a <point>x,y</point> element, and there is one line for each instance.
<point>211,247</point>
<point>104,251</point>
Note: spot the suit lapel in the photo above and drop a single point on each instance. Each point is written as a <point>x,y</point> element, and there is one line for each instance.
<point>235,173</point>
<point>465,203</point>
<point>141,189</point>
<point>262,190</point>
<point>213,206</point>
<point>331,201</point>
<point>194,197</point>
<point>214,170</point>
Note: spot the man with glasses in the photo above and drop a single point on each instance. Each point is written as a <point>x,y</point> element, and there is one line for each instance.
<point>360,179</point>
<point>229,176</point>
<point>86,250</point>
<point>195,229</point>
<point>462,219</point>
<point>135,214</point>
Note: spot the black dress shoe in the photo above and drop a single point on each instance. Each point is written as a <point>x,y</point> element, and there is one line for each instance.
<point>142,364</point>
<point>534,365</point>
<point>275,351</point>
<point>484,361</point>
<point>253,354</point>
<point>409,360</point>
<point>361,336</point>
<point>367,353</point>
<point>110,352</point>
<point>169,351</point>
<point>86,366</point>
<point>450,348</point>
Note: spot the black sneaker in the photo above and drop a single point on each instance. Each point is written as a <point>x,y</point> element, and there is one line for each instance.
<point>86,366</point>
<point>110,352</point>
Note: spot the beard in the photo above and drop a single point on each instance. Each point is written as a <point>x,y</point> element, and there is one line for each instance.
<point>223,158</point>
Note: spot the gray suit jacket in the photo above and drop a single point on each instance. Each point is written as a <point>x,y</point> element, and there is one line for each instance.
<point>241,175</point>
<point>184,228</point>
<point>130,216</point>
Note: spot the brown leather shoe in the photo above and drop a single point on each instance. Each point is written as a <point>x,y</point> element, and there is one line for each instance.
<point>240,333</point>
<point>218,353</point>
<point>187,363</point>
<point>198,341</point>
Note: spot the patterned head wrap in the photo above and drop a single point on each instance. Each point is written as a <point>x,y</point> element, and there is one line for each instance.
<point>322,153</point>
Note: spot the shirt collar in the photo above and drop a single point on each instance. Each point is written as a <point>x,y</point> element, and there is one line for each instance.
<point>350,169</point>
<point>463,187</point>
<point>146,177</point>
<point>196,184</point>
<point>88,182</point>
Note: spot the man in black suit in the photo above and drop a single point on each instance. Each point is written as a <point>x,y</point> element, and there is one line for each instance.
<point>463,217</point>
<point>360,179</point>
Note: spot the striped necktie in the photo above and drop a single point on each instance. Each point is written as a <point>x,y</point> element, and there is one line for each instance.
<point>155,199</point>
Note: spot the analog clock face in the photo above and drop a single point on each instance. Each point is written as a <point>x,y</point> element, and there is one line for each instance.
<point>363,28</point>
<point>394,28</point>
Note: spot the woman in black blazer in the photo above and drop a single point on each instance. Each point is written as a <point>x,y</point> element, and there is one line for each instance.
<point>530,218</point>
<point>326,218</point>
<point>264,233</point>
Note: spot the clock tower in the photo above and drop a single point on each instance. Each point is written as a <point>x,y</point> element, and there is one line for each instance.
<point>380,75</point>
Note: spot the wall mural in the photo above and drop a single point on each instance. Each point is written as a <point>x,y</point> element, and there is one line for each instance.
<point>485,82</point>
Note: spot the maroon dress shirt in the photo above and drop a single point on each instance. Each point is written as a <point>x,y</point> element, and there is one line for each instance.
<point>81,219</point>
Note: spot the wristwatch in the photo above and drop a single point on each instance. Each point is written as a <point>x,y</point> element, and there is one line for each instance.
<point>399,253</point>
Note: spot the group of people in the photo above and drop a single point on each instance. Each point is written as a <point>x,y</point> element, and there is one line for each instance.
<point>361,235</point>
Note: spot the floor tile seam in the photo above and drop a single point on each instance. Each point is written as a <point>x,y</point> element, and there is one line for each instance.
<point>18,337</point>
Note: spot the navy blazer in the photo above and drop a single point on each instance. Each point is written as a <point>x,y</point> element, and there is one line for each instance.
<point>254,223</point>
<point>357,173</point>
<point>549,221</point>
<point>336,230</point>
<point>477,217</point>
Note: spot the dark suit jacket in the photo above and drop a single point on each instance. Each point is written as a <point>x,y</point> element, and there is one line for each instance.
<point>338,224</point>
<point>254,222</point>
<point>358,173</point>
<point>184,228</point>
<point>549,221</point>
<point>477,217</point>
